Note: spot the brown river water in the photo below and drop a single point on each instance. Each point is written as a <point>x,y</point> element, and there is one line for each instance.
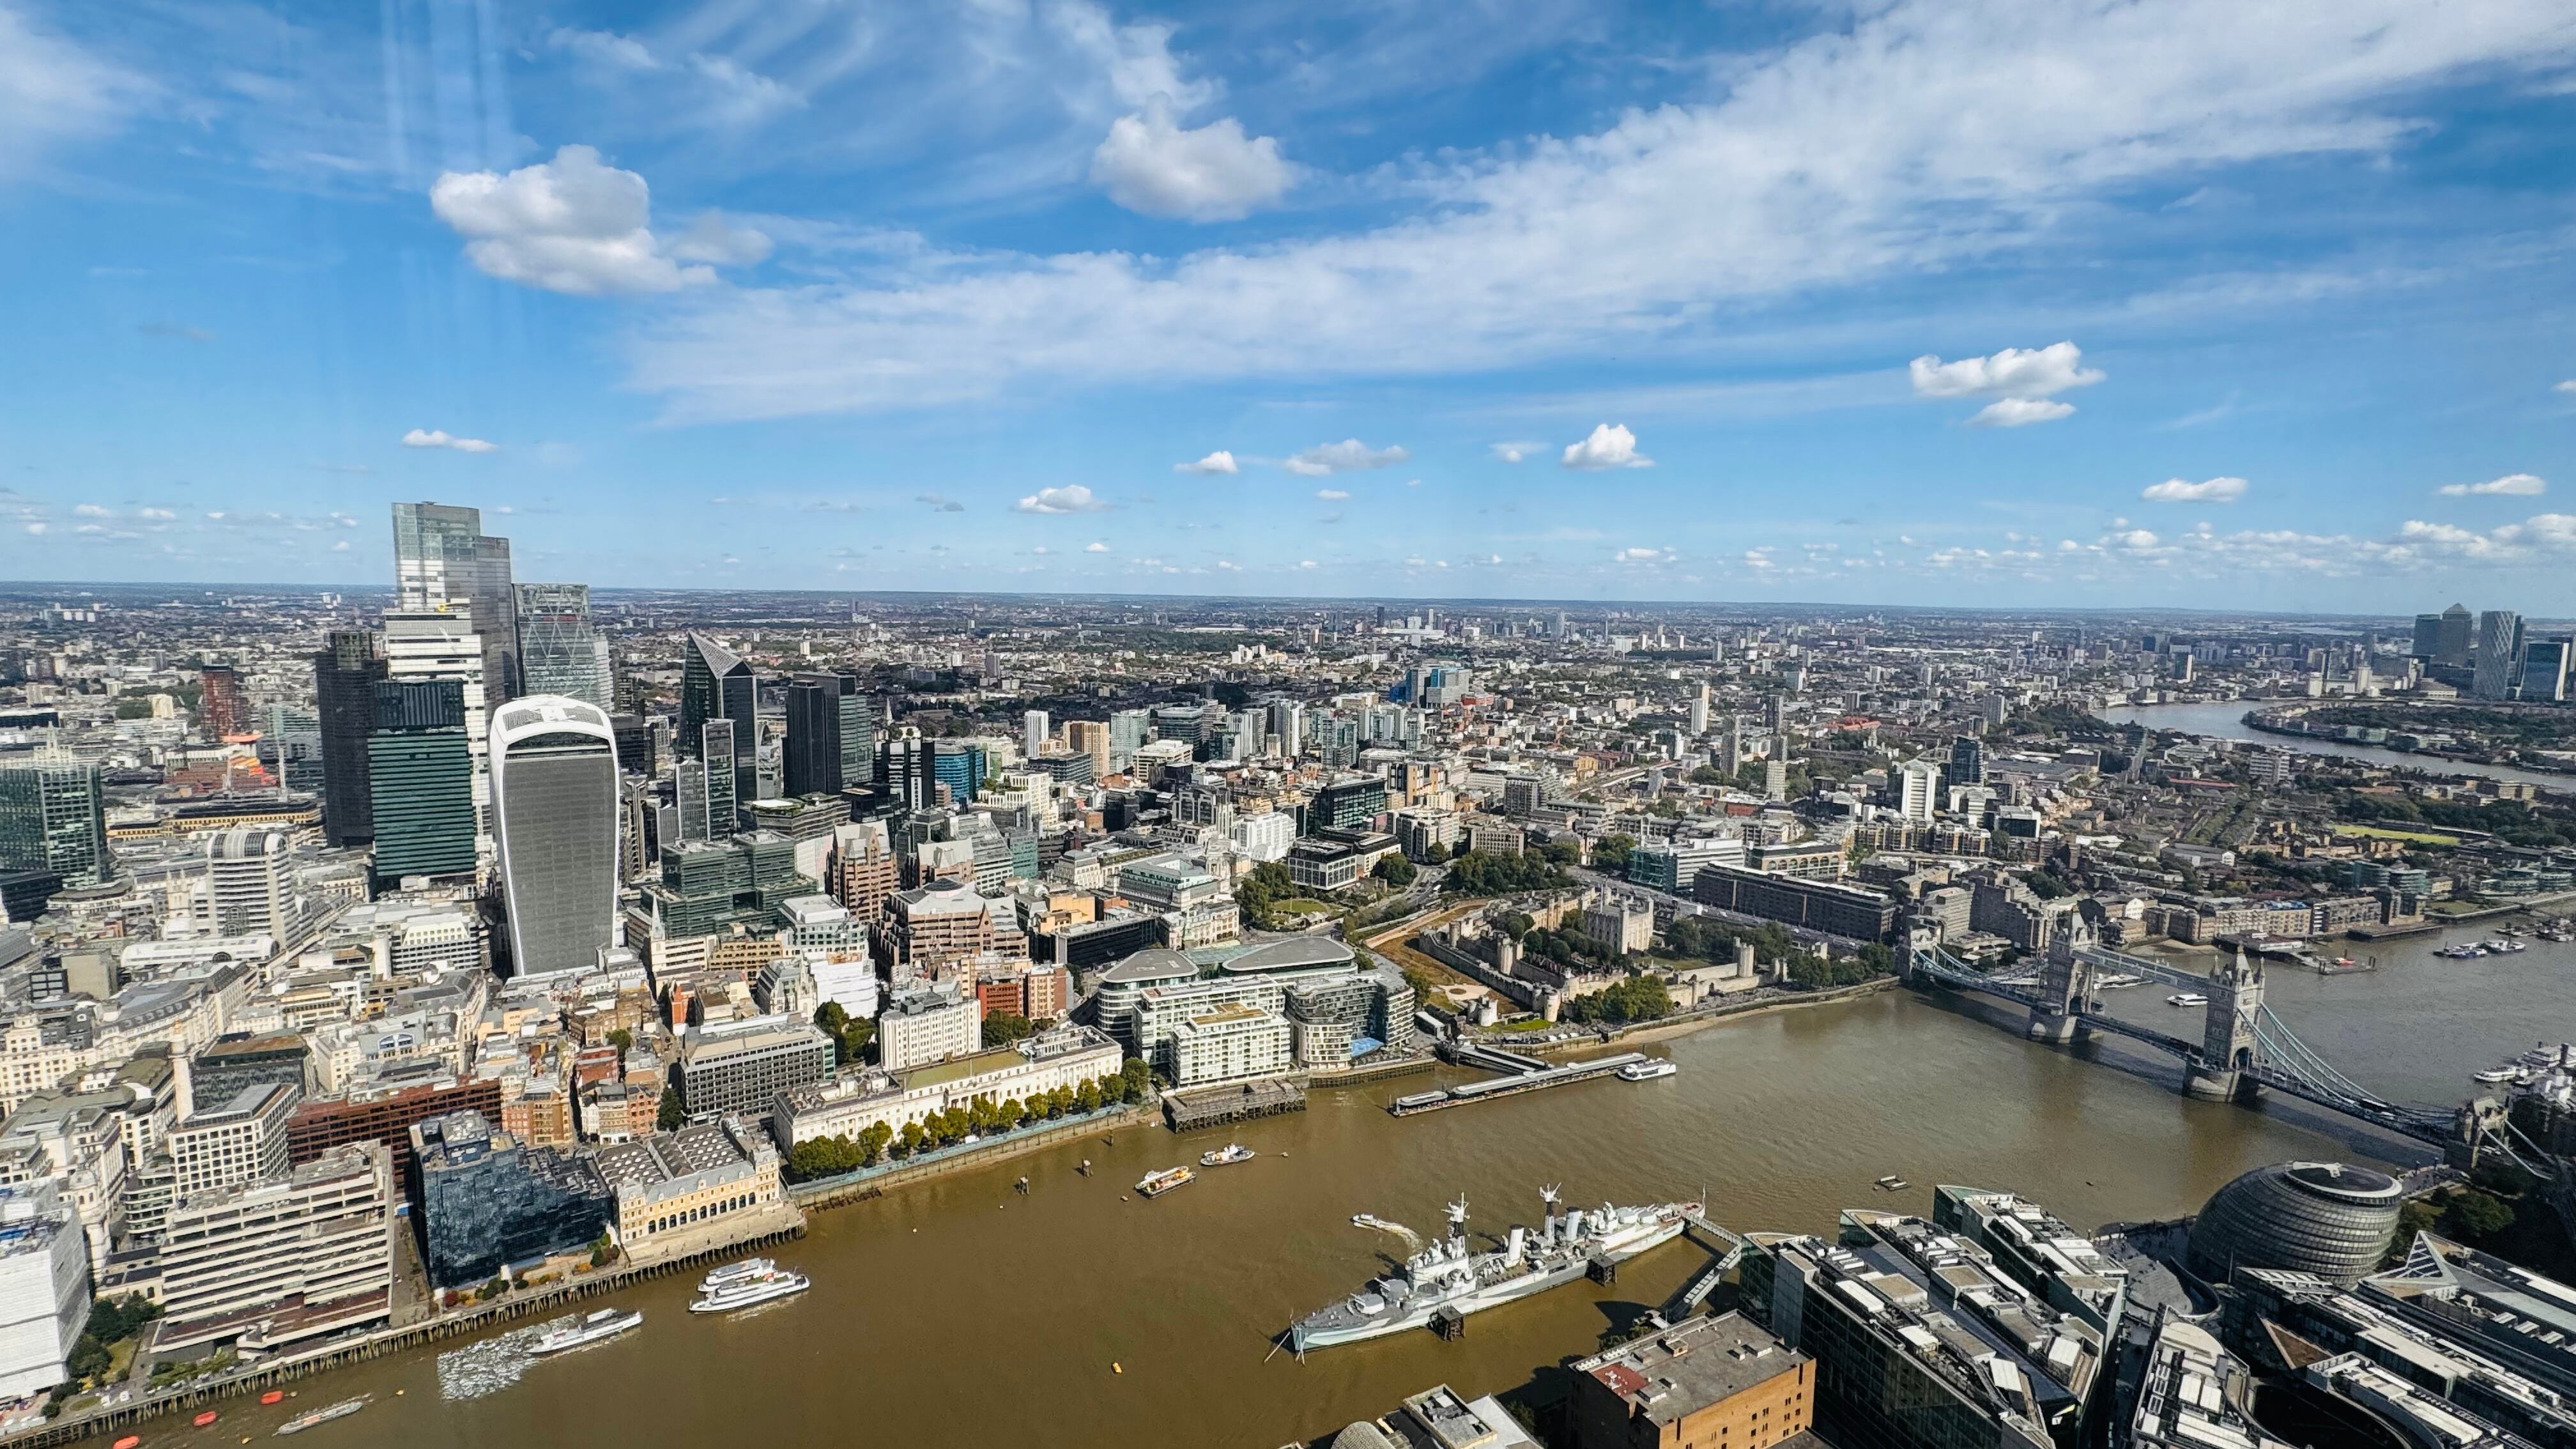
<point>956,1313</point>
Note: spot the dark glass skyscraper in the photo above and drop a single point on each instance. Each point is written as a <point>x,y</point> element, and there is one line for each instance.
<point>420,777</point>
<point>831,734</point>
<point>717,685</point>
<point>53,818</point>
<point>345,675</point>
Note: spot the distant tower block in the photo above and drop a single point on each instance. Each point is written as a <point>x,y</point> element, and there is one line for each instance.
<point>2227,1042</point>
<point>2065,980</point>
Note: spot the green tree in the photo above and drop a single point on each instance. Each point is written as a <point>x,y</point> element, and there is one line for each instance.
<point>1395,870</point>
<point>911,1140</point>
<point>673,1115</point>
<point>1610,853</point>
<point>1089,1098</point>
<point>1001,1028</point>
<point>622,1039</point>
<point>2476,1217</point>
<point>1139,1075</point>
<point>872,1144</point>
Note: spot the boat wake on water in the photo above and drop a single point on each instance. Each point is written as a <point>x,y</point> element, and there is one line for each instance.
<point>1412,1239</point>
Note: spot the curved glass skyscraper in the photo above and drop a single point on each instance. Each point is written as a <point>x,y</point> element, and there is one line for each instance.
<point>554,808</point>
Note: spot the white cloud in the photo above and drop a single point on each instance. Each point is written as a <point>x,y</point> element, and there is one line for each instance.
<point>441,438</point>
<point>1645,555</point>
<point>1350,455</point>
<point>52,90</point>
<point>2208,490</point>
<point>1072,498</point>
<point>1095,547</point>
<point>1152,164</point>
<point>2013,372</point>
<point>2018,412</point>
<point>1213,464</point>
<point>733,93</point>
<point>92,510</point>
<point>2569,386</point>
<point>1920,136</point>
<point>577,225</point>
<point>1331,495</point>
<point>1515,452</point>
<point>1611,445</point>
<point>2541,537</point>
<point>714,240</point>
<point>2511,485</point>
<point>2136,540</point>
<point>341,547</point>
<point>1307,563</point>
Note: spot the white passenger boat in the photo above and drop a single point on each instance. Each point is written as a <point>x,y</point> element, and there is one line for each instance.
<point>752,1292</point>
<point>607,1323</point>
<point>1647,1071</point>
<point>745,1270</point>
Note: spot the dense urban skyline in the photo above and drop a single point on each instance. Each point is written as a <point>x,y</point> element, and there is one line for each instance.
<point>1921,305</point>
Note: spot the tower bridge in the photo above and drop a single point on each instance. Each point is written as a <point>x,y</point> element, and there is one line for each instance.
<point>2242,1048</point>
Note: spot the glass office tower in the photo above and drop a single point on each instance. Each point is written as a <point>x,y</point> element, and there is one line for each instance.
<point>559,652</point>
<point>346,672</point>
<point>554,809</point>
<point>420,777</point>
<point>444,560</point>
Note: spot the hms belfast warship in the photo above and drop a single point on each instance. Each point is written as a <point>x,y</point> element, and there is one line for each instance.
<point>1446,1275</point>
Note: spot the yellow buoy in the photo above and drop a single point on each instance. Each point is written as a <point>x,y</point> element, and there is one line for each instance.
<point>1117,1368</point>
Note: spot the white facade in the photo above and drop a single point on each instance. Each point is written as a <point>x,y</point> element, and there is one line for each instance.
<point>1918,786</point>
<point>1264,837</point>
<point>278,1262</point>
<point>1230,1044</point>
<point>229,1143</point>
<point>847,979</point>
<point>1065,1057</point>
<point>249,891</point>
<point>44,1288</point>
<point>920,1027</point>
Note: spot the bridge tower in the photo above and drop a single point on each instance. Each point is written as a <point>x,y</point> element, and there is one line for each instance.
<point>2227,1048</point>
<point>2065,986</point>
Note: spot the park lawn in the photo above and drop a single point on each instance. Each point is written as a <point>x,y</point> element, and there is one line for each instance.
<point>1302,906</point>
<point>2382,832</point>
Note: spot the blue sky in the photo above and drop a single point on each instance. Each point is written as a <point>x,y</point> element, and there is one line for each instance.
<point>2206,302</point>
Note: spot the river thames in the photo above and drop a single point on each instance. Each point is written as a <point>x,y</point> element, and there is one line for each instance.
<point>2225,720</point>
<point>956,1313</point>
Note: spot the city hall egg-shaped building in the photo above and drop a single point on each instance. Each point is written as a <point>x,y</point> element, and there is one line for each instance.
<point>2327,1218</point>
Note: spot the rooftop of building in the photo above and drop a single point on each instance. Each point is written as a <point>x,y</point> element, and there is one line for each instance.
<point>252,1101</point>
<point>1451,1422</point>
<point>663,1157</point>
<point>1158,964</point>
<point>1691,1365</point>
<point>1229,1015</point>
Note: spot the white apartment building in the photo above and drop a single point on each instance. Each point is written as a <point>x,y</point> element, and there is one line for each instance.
<point>927,1025</point>
<point>44,1288</point>
<point>1229,1044</point>
<point>1264,837</point>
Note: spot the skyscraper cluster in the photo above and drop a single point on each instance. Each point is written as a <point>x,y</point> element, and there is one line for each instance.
<point>2493,656</point>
